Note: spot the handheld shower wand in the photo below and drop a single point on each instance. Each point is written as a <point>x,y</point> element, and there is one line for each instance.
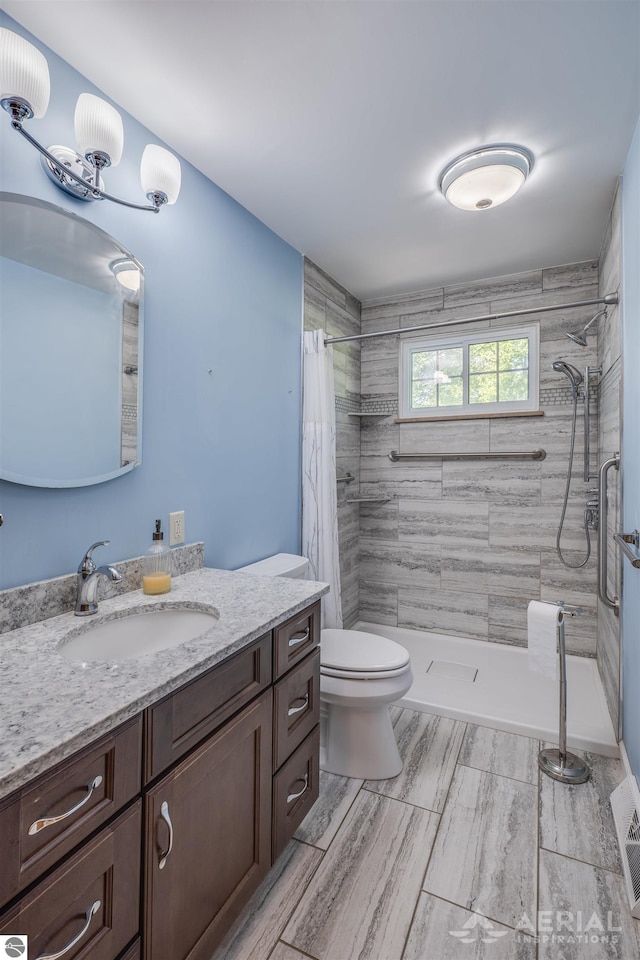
<point>576,378</point>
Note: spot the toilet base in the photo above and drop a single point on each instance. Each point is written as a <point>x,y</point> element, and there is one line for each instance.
<point>360,743</point>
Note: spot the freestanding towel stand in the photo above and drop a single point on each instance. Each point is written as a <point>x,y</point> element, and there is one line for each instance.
<point>559,764</point>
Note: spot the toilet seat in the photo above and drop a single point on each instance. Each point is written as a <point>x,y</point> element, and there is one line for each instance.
<point>359,655</point>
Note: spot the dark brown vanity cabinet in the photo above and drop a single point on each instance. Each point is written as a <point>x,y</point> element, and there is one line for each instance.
<point>147,844</point>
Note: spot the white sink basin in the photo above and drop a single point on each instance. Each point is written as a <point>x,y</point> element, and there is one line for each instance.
<point>137,633</point>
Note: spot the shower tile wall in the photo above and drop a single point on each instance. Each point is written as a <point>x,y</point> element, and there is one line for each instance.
<point>461,547</point>
<point>609,442</point>
<point>330,307</point>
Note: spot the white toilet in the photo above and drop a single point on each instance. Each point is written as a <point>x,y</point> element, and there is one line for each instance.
<point>360,675</point>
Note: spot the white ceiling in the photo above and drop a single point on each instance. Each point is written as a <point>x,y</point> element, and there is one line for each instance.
<point>330,120</point>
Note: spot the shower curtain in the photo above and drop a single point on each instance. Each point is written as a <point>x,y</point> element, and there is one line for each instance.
<point>319,498</point>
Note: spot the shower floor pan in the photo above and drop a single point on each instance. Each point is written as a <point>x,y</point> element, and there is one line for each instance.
<point>504,694</point>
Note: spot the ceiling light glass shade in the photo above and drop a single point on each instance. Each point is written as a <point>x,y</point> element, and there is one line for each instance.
<point>98,128</point>
<point>24,73</point>
<point>487,177</point>
<point>160,172</point>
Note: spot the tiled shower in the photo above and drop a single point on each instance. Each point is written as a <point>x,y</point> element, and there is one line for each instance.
<point>461,547</point>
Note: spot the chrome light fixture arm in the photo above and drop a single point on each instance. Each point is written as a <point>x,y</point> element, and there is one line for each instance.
<point>89,191</point>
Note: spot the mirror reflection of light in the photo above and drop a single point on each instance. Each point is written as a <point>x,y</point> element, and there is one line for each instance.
<point>127,274</point>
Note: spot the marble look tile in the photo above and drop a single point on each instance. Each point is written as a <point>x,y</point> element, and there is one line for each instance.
<point>284,952</point>
<point>379,477</point>
<point>443,435</point>
<point>497,288</point>
<point>443,521</point>
<point>381,349</point>
<point>508,619</point>
<point>259,926</point>
<point>507,573</point>
<point>578,893</point>
<point>485,853</point>
<point>512,482</point>
<point>379,602</point>
<point>361,900</point>
<point>379,436</point>
<point>570,275</point>
<point>379,520</point>
<point>315,309</point>
<point>349,356</point>
<point>454,612</point>
<point>428,746</point>
<point>379,378</point>
<point>340,323</point>
<point>552,325</point>
<point>444,931</point>
<point>324,819</point>
<point>323,283</point>
<point>408,564</point>
<point>572,586</point>
<point>576,820</point>
<point>409,303</point>
<point>504,754</point>
<point>535,527</point>
<point>565,349</point>
<point>374,319</point>
<point>608,660</point>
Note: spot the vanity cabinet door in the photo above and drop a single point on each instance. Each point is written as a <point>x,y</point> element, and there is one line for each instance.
<point>295,638</point>
<point>208,833</point>
<point>89,907</point>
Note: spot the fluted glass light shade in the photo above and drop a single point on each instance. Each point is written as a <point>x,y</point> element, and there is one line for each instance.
<point>98,128</point>
<point>486,177</point>
<point>24,73</point>
<point>160,172</point>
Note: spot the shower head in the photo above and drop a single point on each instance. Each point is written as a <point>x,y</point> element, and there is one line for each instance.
<point>580,336</point>
<point>569,371</point>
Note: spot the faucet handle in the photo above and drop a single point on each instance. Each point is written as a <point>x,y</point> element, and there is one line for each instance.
<point>88,564</point>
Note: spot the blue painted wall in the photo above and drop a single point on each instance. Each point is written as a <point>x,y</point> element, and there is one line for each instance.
<point>631,448</point>
<point>223,320</point>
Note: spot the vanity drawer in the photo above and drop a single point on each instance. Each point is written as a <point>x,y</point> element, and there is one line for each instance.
<point>295,790</point>
<point>97,890</point>
<point>48,818</point>
<point>296,638</point>
<point>183,719</point>
<point>296,707</point>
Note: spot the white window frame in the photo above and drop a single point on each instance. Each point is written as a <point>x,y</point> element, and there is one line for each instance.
<point>465,409</point>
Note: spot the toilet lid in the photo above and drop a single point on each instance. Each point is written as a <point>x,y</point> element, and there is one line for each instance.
<point>360,652</point>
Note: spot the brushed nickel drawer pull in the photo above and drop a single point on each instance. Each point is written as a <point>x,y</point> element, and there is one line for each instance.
<point>39,825</point>
<point>305,703</point>
<point>93,909</point>
<point>164,813</point>
<point>294,796</point>
<point>297,638</point>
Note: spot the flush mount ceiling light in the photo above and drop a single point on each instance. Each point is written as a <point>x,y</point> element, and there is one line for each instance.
<point>24,93</point>
<point>486,177</point>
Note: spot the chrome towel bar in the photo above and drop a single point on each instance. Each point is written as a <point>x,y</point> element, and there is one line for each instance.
<point>488,455</point>
<point>625,542</point>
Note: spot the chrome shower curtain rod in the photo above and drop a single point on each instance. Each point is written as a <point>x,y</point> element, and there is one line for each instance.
<point>608,300</point>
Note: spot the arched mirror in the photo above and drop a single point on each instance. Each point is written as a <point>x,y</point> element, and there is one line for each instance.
<point>70,348</point>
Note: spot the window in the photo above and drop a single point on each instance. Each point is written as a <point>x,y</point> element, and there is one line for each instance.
<point>495,371</point>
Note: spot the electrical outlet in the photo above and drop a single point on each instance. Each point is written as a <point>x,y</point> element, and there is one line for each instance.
<point>176,528</point>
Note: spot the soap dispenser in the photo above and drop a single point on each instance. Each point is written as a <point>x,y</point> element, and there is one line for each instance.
<point>156,573</point>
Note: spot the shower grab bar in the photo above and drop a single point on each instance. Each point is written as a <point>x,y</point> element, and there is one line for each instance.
<point>348,478</point>
<point>394,456</point>
<point>623,540</point>
<point>603,534</point>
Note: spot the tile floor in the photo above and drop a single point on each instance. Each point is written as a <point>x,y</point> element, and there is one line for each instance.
<point>452,860</point>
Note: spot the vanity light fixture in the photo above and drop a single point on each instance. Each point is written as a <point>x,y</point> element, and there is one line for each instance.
<point>24,93</point>
<point>486,177</point>
<point>127,273</point>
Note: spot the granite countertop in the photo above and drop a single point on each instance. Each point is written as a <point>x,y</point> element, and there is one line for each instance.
<point>51,706</point>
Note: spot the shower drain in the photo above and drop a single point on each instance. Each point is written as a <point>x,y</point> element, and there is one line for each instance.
<point>452,671</point>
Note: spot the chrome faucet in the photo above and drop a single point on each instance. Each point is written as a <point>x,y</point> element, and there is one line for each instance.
<point>88,576</point>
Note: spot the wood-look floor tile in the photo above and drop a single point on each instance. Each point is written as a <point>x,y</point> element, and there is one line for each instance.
<point>284,952</point>
<point>361,900</point>
<point>261,923</point>
<point>429,746</point>
<point>485,854</point>
<point>575,898</point>
<point>576,819</point>
<point>444,931</point>
<point>496,751</point>
<point>322,822</point>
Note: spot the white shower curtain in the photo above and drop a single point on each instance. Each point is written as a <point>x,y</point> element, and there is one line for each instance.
<point>319,499</point>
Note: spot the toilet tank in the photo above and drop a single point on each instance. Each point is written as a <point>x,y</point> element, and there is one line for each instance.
<point>280,565</point>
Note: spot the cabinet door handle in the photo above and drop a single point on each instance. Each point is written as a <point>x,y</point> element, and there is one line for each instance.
<point>305,703</point>
<point>93,909</point>
<point>164,813</point>
<point>297,638</point>
<point>40,824</point>
<point>294,796</point>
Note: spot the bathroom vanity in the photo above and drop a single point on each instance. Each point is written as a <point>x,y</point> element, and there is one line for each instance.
<point>147,840</point>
